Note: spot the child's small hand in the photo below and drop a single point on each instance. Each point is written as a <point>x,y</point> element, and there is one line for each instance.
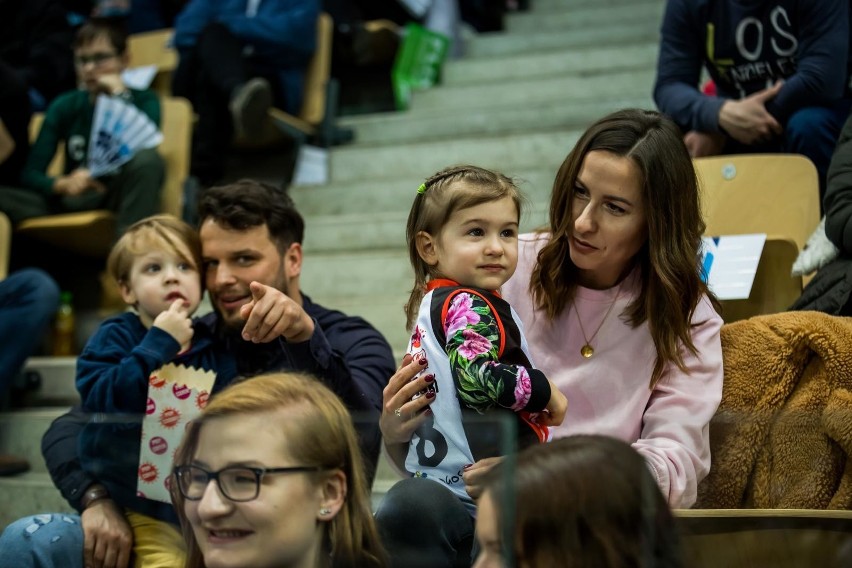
<point>175,321</point>
<point>554,412</point>
<point>475,474</point>
<point>76,183</point>
<point>111,84</point>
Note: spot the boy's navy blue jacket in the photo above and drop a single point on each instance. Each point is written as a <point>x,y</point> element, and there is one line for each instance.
<point>348,354</point>
<point>112,378</point>
<point>746,46</point>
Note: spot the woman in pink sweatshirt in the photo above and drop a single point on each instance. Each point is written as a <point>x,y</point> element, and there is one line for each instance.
<point>615,313</point>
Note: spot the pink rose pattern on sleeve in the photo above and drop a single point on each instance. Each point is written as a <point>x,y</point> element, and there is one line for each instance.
<point>523,389</point>
<point>482,382</point>
<point>460,315</point>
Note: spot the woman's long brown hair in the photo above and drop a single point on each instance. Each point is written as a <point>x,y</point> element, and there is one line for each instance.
<point>671,286</point>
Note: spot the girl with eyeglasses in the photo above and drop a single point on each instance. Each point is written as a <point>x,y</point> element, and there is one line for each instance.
<point>270,475</point>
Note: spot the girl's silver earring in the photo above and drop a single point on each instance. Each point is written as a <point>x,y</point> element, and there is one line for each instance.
<point>324,512</point>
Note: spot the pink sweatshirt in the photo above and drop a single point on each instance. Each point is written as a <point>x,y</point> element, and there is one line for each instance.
<point>608,394</point>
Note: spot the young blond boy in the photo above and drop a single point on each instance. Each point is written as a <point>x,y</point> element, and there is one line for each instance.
<point>156,265</point>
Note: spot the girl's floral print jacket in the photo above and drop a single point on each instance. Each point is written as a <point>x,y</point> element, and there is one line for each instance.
<point>484,345</point>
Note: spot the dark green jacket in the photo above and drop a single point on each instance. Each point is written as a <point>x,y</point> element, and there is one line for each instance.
<point>69,119</point>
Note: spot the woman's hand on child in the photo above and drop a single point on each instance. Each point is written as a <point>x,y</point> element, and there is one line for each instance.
<point>554,412</point>
<point>271,314</point>
<point>175,321</point>
<point>401,416</point>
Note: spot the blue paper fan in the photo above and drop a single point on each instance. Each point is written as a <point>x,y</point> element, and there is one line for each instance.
<point>119,130</point>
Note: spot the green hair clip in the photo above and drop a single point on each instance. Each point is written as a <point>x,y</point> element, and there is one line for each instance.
<point>422,188</point>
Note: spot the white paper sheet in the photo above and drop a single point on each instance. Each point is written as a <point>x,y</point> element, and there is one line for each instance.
<point>311,166</point>
<point>139,78</point>
<point>730,262</point>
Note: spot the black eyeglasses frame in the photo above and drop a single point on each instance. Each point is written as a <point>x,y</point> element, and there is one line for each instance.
<point>259,473</point>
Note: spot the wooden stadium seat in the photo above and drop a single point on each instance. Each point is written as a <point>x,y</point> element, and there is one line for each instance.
<point>91,233</point>
<point>5,244</point>
<point>775,194</point>
<point>154,48</point>
<point>780,538</point>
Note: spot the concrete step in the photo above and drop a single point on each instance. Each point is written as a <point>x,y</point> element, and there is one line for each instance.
<point>501,44</point>
<point>393,194</point>
<point>21,432</point>
<point>416,161</point>
<point>542,5</point>
<point>340,234</point>
<point>29,494</point>
<point>534,92</point>
<point>362,274</point>
<point>57,382</point>
<point>583,62</point>
<point>556,5</point>
<point>433,123</point>
<point>568,18</point>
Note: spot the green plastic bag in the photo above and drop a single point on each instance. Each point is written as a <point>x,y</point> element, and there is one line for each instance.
<point>418,62</point>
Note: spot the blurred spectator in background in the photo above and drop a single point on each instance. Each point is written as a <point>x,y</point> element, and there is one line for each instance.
<point>829,248</point>
<point>35,41</point>
<point>133,192</point>
<point>15,116</point>
<point>29,297</point>
<point>237,59</point>
<point>780,69</point>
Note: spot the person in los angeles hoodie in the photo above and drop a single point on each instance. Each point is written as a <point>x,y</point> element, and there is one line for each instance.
<point>781,71</point>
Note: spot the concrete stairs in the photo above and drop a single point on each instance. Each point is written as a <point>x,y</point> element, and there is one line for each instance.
<point>517,102</point>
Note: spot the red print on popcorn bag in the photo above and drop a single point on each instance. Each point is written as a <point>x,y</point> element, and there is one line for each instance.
<point>156,381</point>
<point>169,418</point>
<point>158,445</point>
<point>151,407</point>
<point>181,391</point>
<point>178,394</point>
<point>148,472</point>
<point>201,399</point>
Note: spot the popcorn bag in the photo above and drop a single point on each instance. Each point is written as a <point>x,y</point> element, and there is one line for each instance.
<point>176,395</point>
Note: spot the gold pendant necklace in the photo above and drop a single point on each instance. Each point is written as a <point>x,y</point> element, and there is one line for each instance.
<point>587,350</point>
